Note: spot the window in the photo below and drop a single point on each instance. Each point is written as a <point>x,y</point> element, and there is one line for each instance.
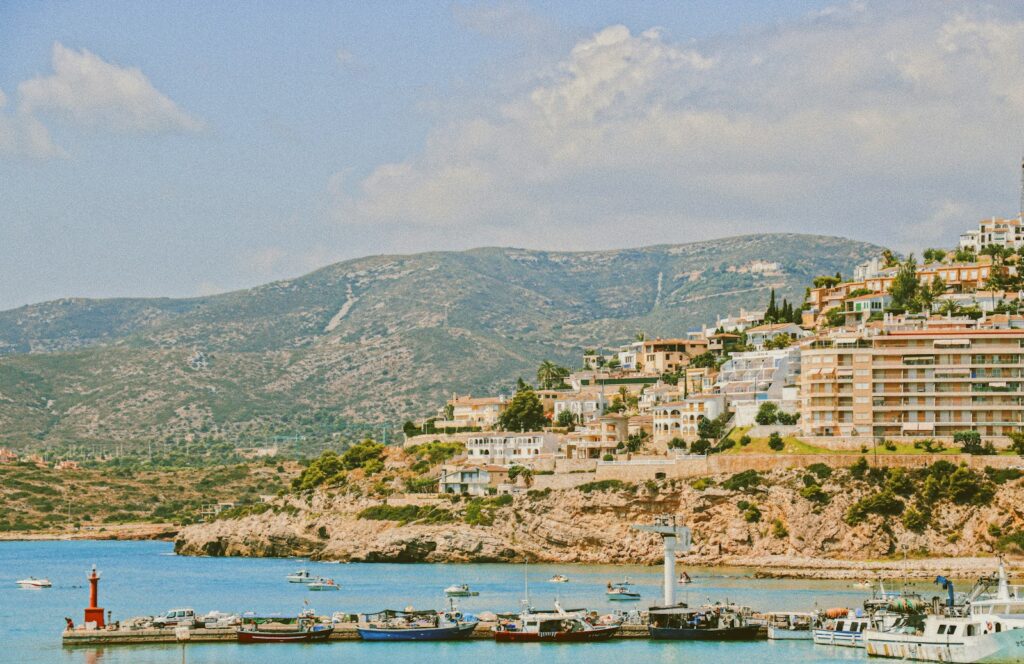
<point>951,630</point>
<point>969,630</point>
<point>862,386</point>
<point>942,629</point>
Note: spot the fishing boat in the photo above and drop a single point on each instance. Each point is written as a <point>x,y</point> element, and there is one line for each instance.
<point>559,578</point>
<point>305,632</point>
<point>790,626</point>
<point>323,584</point>
<point>843,627</point>
<point>460,590</point>
<point>391,625</point>
<point>558,626</point>
<point>621,592</point>
<point>986,631</point>
<point>301,576</point>
<point>707,623</point>
<point>33,582</point>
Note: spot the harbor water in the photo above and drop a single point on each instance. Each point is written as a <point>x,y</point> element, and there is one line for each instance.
<point>146,578</point>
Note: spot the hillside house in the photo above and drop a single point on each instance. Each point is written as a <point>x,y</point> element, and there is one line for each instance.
<point>758,336</point>
<point>680,419</point>
<point>470,411</point>
<point>661,356</point>
<point>471,480</point>
<point>586,406</point>
<point>596,439</point>
<point>510,448</point>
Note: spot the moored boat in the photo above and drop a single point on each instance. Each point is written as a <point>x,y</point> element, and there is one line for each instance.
<point>621,592</point>
<point>460,590</point>
<point>986,632</point>
<point>391,625</point>
<point>790,626</point>
<point>558,626</point>
<point>33,582</point>
<point>304,633</point>
<point>707,623</point>
<point>843,627</point>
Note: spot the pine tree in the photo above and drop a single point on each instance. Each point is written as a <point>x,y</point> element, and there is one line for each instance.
<point>771,314</point>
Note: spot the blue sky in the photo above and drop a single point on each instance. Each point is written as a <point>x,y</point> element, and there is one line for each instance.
<point>188,148</point>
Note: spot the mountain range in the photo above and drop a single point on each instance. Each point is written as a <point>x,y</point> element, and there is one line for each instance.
<point>369,341</point>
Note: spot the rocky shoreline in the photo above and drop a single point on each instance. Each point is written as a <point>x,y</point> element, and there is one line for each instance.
<point>789,536</point>
<point>114,531</point>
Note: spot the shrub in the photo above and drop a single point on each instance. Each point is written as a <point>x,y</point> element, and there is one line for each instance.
<point>883,503</point>
<point>360,454</point>
<point>928,445</point>
<point>538,494</point>
<point>899,482</point>
<point>970,442</point>
<point>968,488</point>
<point>1017,442</point>
<point>1003,475</point>
<point>608,457</point>
<point>752,514</point>
<point>994,530</point>
<point>1011,542</point>
<point>821,471</point>
<point>477,515</point>
<point>775,441</point>
<point>779,529</point>
<point>743,481</point>
<point>915,520</point>
<point>406,514</point>
<point>725,443</point>
<point>437,451</point>
<point>788,419</point>
<point>700,446</point>
<point>744,440</point>
<point>677,444</point>
<point>702,483</point>
<point>604,485</point>
<point>742,505</point>
<point>767,413</point>
<point>652,487</point>
<point>859,468</point>
<point>815,494</point>
<point>889,445</point>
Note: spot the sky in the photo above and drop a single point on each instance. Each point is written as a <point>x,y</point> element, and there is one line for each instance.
<point>189,148</point>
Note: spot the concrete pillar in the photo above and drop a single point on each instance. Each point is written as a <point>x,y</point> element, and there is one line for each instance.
<point>670,570</point>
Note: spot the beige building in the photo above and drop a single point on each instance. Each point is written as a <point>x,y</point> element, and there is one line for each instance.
<point>917,383</point>
<point>681,418</point>
<point>600,437</point>
<point>470,411</point>
<point>661,356</point>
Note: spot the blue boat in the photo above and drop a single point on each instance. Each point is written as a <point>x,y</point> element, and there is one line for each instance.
<point>391,625</point>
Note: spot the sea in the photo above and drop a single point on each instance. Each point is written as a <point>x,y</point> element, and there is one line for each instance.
<point>147,578</point>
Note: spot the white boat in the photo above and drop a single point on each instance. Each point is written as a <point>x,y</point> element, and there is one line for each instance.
<point>987,632</point>
<point>791,626</point>
<point>323,584</point>
<point>620,592</point>
<point>559,578</point>
<point>847,631</point>
<point>460,590</point>
<point>33,582</point>
<point>301,576</point>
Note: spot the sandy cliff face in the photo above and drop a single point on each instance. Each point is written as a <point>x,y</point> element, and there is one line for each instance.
<point>595,527</point>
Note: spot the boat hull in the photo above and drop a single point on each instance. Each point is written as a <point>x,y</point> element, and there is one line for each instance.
<point>623,597</point>
<point>745,633</point>
<point>828,637</point>
<point>293,636</point>
<point>784,634</point>
<point>454,633</point>
<point>596,634</point>
<point>1005,646</point>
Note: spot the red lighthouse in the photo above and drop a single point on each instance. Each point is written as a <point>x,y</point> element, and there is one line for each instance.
<point>94,613</point>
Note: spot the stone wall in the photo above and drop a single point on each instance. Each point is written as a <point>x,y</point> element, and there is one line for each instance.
<point>562,480</point>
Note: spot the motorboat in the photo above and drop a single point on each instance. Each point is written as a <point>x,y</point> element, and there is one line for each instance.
<point>323,584</point>
<point>33,582</point>
<point>707,623</point>
<point>460,590</point>
<point>621,592</point>
<point>985,631</point>
<point>559,578</point>
<point>301,576</point>
<point>305,632</point>
<point>790,625</point>
<point>558,626</point>
<point>391,625</point>
<point>843,627</point>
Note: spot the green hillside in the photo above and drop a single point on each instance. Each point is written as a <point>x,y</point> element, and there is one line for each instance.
<point>368,341</point>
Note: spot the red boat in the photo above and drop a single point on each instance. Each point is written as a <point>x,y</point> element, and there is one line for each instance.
<point>255,635</point>
<point>557,627</point>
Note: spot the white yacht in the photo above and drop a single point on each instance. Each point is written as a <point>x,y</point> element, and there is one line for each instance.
<point>986,632</point>
<point>301,576</point>
<point>33,582</point>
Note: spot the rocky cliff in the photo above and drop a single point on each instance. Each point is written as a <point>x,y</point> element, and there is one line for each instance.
<point>768,521</point>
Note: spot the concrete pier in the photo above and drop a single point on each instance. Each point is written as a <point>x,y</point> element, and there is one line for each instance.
<point>342,632</point>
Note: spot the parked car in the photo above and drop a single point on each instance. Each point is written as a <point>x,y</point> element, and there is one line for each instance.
<point>176,618</point>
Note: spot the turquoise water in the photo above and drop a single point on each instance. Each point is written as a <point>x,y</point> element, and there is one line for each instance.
<point>144,578</point>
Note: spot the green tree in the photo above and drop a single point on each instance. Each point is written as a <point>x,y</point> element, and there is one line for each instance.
<point>567,419</point>
<point>705,360</point>
<point>767,413</point>
<point>775,441</point>
<point>550,375</point>
<point>524,412</point>
<point>1017,442</point>
<point>905,284</point>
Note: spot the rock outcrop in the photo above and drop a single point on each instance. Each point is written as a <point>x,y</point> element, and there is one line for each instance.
<point>574,526</point>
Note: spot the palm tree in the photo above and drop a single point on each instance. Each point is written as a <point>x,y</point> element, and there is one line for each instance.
<point>550,374</point>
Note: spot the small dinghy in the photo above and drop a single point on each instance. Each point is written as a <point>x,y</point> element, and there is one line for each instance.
<point>559,578</point>
<point>33,582</point>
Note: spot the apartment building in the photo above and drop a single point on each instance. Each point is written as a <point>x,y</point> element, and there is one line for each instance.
<point>1001,232</point>
<point>758,375</point>
<point>914,382</point>
<point>505,449</point>
<point>680,419</point>
<point>586,406</point>
<point>600,437</point>
<point>470,411</point>
<point>661,356</point>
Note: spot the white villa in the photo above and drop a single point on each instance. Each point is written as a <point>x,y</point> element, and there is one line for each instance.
<point>679,419</point>
<point>509,448</point>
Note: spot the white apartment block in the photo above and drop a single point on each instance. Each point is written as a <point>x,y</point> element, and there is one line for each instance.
<point>758,375</point>
<point>680,419</point>
<point>1001,232</point>
<point>586,406</point>
<point>505,449</point>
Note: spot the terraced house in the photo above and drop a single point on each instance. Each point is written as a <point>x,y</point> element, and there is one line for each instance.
<point>914,382</point>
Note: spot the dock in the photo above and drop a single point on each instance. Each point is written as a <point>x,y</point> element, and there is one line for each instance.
<point>342,632</point>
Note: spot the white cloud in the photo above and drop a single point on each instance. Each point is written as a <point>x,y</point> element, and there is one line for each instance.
<point>853,121</point>
<point>87,90</point>
<point>22,134</point>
